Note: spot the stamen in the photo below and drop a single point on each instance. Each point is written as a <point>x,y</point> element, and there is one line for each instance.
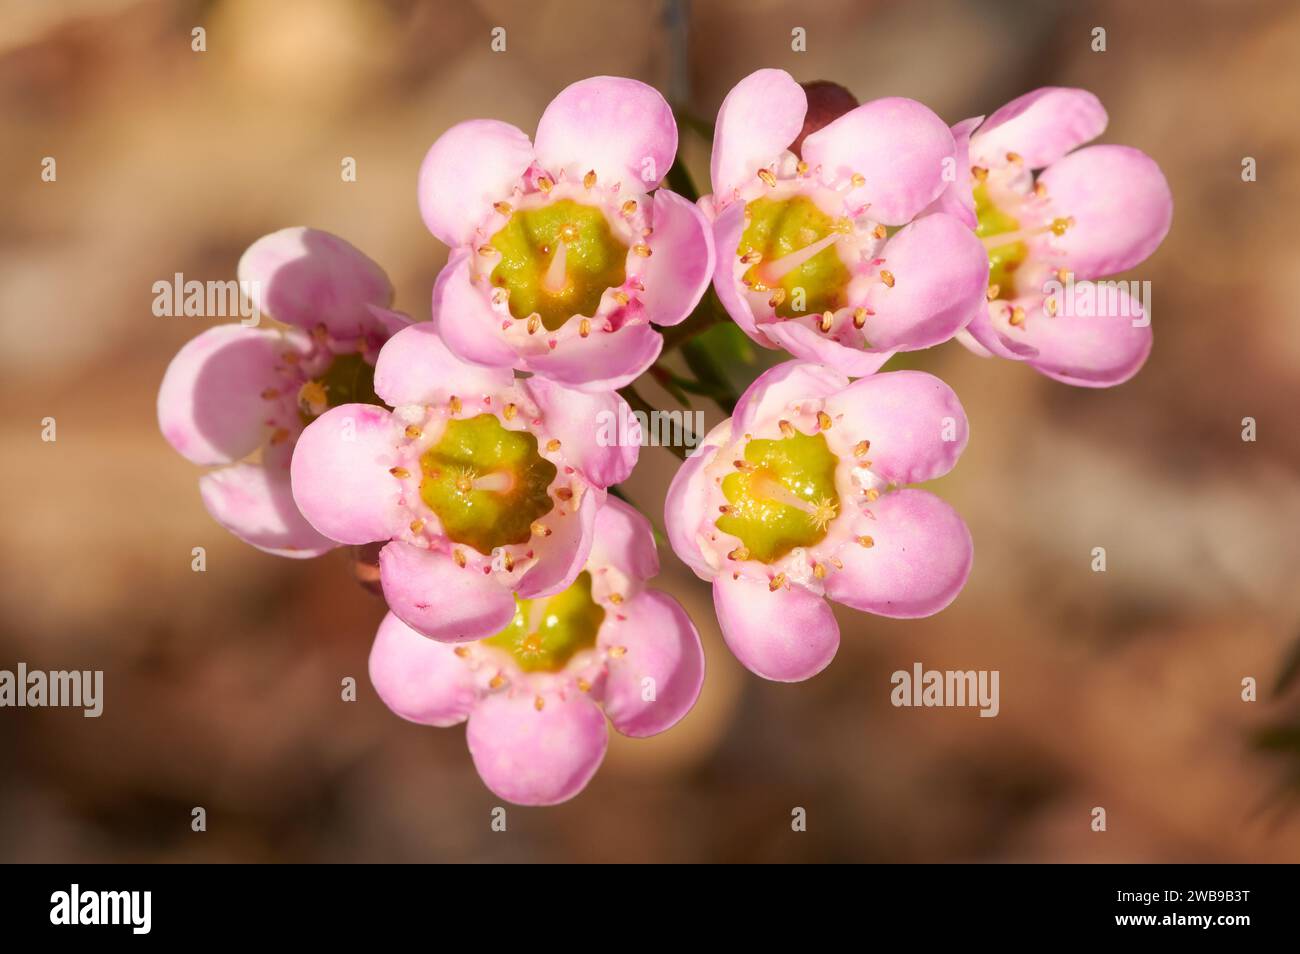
<point>534,322</point>
<point>857,180</point>
<point>417,526</point>
<point>454,405</point>
<point>539,529</point>
<point>583,685</point>
<point>509,412</point>
<point>992,293</point>
<point>1017,316</point>
<point>616,598</point>
<point>787,429</point>
<point>826,322</point>
<point>778,296</point>
<point>589,180</point>
<point>584,327</point>
<point>861,448</point>
<point>740,554</point>
<point>979,173</point>
<point>564,493</point>
<point>553,445</point>
<point>502,207</point>
<point>887,277</point>
<point>776,582</point>
<point>401,473</point>
<point>643,250</point>
<point>823,420</point>
<point>769,180</point>
<point>545,183</point>
<point>629,208</point>
<point>859,317</point>
<point>879,232</point>
<point>866,542</point>
<point>459,557</point>
<point>412,431</point>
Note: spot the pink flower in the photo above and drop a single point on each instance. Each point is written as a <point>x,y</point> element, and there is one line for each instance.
<point>236,390</point>
<point>560,259</point>
<point>1087,214</point>
<point>823,254</point>
<point>797,497</point>
<point>533,693</point>
<point>483,484</point>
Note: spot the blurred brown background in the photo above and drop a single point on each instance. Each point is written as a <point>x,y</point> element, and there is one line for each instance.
<point>1118,689</point>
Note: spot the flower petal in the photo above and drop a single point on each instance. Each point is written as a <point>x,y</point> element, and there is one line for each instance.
<point>210,404</point>
<point>415,367</point>
<point>664,661</point>
<point>1120,203</point>
<point>1100,340</point>
<point>897,145</point>
<point>588,428</point>
<point>601,362</point>
<point>306,277</point>
<point>681,266</point>
<point>624,540</point>
<point>777,388</point>
<point>918,563</point>
<point>758,121</point>
<point>464,319</point>
<point>470,166</point>
<point>685,509</point>
<point>621,129</point>
<point>563,554</point>
<point>727,229</point>
<point>340,474</point>
<point>958,198</point>
<point>256,505</point>
<point>434,596</point>
<point>916,425</point>
<point>788,635</point>
<point>941,276</point>
<point>533,756</point>
<point>1041,126</point>
<point>420,679</point>
<point>808,344</point>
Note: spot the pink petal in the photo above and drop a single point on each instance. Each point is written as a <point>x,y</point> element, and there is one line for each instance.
<point>624,540</point>
<point>664,661</point>
<point>340,474</point>
<point>998,339</point>
<point>918,563</point>
<point>415,367</point>
<point>464,319</point>
<point>1041,126</point>
<point>1098,350</point>
<point>533,756</point>
<point>941,276</point>
<point>434,596</point>
<point>256,505</point>
<point>1120,203</point>
<point>787,636</point>
<point>915,424</point>
<point>727,230</point>
<point>758,121</point>
<point>586,425</point>
<point>307,277</point>
<point>563,554</point>
<point>897,145</point>
<point>420,679</point>
<point>685,510</point>
<point>681,266</point>
<point>776,389</point>
<point>603,361</point>
<point>621,129</point>
<point>958,197</point>
<point>470,166</point>
<point>809,344</point>
<point>210,404</point>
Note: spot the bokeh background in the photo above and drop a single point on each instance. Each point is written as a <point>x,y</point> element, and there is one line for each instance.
<point>1119,689</point>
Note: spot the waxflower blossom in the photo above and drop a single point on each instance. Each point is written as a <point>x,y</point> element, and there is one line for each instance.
<point>483,484</point>
<point>561,258</point>
<point>1052,214</point>
<point>826,253</point>
<point>533,693</point>
<point>237,397</point>
<point>797,497</point>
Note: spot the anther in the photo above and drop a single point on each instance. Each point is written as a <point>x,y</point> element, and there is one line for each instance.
<point>979,173</point>
<point>857,180</point>
<point>776,582</point>
<point>769,180</point>
<point>778,296</point>
<point>401,473</point>
<point>629,208</point>
<point>861,448</point>
<point>502,207</point>
<point>553,445</point>
<point>823,420</point>
<point>589,180</point>
<point>545,183</point>
<point>826,322</point>
<point>866,541</point>
<point>740,554</point>
<point>539,529</point>
<point>787,429</point>
<point>454,405</point>
<point>412,431</point>
<point>564,493</point>
<point>643,250</point>
<point>887,277</point>
<point>859,318</point>
<point>459,557</point>
<point>534,322</point>
<point>992,293</point>
<point>584,327</point>
<point>509,412</point>
<point>417,526</point>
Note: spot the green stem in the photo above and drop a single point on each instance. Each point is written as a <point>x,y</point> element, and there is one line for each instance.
<point>638,403</point>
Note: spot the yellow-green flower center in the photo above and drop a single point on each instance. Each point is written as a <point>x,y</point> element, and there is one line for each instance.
<point>486,484</point>
<point>779,227</point>
<point>1004,260</point>
<point>349,379</point>
<point>557,260</point>
<point>782,497</point>
<point>545,634</point>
